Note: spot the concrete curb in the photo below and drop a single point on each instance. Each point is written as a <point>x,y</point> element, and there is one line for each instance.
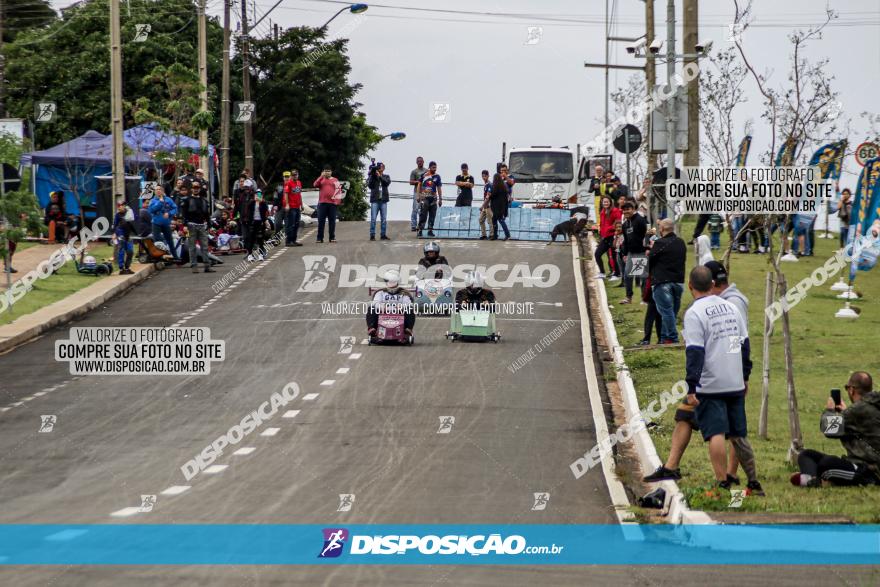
<point>30,326</point>
<point>678,511</point>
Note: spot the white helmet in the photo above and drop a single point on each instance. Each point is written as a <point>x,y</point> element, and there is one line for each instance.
<point>89,261</point>
<point>474,280</point>
<point>432,246</point>
<point>391,278</point>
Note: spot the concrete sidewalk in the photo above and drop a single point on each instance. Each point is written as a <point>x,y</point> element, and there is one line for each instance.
<point>73,306</point>
<point>28,259</point>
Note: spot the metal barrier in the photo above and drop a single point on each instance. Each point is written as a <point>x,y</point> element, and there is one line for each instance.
<point>528,224</point>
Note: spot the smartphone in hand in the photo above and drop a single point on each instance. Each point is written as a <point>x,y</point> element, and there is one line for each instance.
<point>835,395</point>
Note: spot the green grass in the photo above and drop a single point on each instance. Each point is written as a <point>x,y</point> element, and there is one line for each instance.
<point>57,287</point>
<point>825,350</point>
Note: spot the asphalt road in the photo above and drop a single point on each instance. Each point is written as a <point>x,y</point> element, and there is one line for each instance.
<point>367,423</point>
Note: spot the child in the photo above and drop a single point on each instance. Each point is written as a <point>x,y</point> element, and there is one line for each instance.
<point>715,231</point>
<point>617,257</point>
<point>123,226</point>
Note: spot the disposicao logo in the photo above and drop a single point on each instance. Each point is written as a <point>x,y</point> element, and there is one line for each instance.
<point>334,541</point>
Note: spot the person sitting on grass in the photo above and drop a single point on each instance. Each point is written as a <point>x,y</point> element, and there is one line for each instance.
<point>858,428</point>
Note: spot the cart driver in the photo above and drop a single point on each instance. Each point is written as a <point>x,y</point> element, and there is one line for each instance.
<point>391,299</point>
<point>474,296</point>
<point>433,257</point>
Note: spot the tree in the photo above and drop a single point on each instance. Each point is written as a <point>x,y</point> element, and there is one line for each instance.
<point>68,62</point>
<point>803,109</point>
<point>721,85</point>
<point>19,211</point>
<point>626,100</point>
<point>307,115</point>
<point>23,15</point>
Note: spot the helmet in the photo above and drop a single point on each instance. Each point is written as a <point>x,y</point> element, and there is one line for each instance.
<point>162,246</point>
<point>432,246</point>
<point>474,280</point>
<point>89,262</point>
<point>392,279</point>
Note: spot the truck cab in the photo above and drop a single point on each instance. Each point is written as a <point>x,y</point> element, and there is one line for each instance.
<point>542,172</point>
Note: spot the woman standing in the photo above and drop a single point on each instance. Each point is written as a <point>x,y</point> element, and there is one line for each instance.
<point>608,215</point>
<point>500,202</point>
<point>844,212</point>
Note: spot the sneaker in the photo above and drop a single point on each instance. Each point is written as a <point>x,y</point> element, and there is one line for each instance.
<point>372,237</point>
<point>384,238</point>
<point>297,244</point>
<point>626,301</point>
<point>413,229</point>
<point>754,488</point>
<point>662,474</point>
<point>644,343</point>
<point>10,270</point>
<point>614,278</point>
<point>600,276</point>
<point>209,270</point>
<point>804,480</point>
<point>668,341</point>
<point>250,259</point>
<point>732,479</point>
<point>430,232</point>
<point>484,237</point>
<point>723,484</point>
<point>643,303</point>
<point>332,240</point>
<point>194,268</point>
<point>126,272</point>
<point>420,235</point>
<point>320,241</point>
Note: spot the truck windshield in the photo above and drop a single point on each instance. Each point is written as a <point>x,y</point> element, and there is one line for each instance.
<point>538,166</point>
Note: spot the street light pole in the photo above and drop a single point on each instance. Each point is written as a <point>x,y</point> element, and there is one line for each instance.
<point>224,104</point>
<point>116,101</point>
<point>671,108</point>
<point>246,89</point>
<point>203,92</point>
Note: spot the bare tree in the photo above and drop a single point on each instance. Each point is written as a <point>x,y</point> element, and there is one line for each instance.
<point>722,88</point>
<point>628,99</point>
<point>803,109</point>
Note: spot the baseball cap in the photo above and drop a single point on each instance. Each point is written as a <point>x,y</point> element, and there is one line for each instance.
<point>286,174</point>
<point>719,273</point>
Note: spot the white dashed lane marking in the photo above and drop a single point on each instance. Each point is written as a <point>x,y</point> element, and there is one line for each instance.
<point>342,371</point>
<point>310,396</point>
<point>125,512</point>
<point>270,431</point>
<point>291,413</point>
<point>328,382</point>
<point>214,469</point>
<point>354,356</point>
<point>175,490</point>
<point>244,451</point>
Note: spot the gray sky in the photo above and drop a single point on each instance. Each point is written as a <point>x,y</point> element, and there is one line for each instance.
<point>500,88</point>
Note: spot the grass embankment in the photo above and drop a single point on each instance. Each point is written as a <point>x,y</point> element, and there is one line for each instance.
<point>825,350</point>
<point>52,289</point>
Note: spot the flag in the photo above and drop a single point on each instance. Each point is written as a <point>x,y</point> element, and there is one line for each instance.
<point>743,151</point>
<point>787,153</point>
<point>829,163</point>
<point>865,212</point>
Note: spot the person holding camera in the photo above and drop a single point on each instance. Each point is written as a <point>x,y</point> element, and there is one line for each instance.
<point>858,429</point>
<point>378,183</point>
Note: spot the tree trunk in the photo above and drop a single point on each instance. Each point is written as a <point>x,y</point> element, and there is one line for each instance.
<point>765,362</point>
<point>794,422</point>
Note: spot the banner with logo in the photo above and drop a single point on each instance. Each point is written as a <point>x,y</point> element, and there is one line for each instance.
<point>527,224</point>
<point>864,214</point>
<point>787,153</point>
<point>829,161</point>
<point>742,154</point>
<point>437,544</point>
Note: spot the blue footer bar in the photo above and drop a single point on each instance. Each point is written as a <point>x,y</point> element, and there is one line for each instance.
<point>492,544</point>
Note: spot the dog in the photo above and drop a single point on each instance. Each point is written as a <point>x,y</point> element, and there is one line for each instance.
<point>573,226</point>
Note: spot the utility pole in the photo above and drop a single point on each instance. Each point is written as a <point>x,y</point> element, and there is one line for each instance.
<point>650,81</point>
<point>116,101</point>
<point>224,103</point>
<point>2,65</point>
<point>671,108</point>
<point>607,34</point>
<point>246,88</point>
<point>690,40</point>
<point>203,92</point>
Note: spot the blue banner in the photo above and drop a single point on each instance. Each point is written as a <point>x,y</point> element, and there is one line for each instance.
<point>742,154</point>
<point>481,544</point>
<point>787,153</point>
<point>527,224</point>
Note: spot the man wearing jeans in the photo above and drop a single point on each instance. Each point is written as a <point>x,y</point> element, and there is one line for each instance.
<point>414,178</point>
<point>666,263</point>
<point>329,196</point>
<point>163,209</point>
<point>634,229</point>
<point>378,183</point>
<point>292,202</point>
<point>197,214</point>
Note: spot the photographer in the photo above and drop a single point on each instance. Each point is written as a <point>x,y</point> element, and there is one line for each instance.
<point>378,183</point>
<point>858,428</point>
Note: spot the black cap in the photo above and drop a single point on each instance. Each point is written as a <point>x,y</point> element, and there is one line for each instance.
<point>719,273</point>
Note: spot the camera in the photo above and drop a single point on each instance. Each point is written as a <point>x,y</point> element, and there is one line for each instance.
<point>637,47</point>
<point>656,46</point>
<point>703,47</point>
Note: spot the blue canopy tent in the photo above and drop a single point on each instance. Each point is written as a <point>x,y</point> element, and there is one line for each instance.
<point>75,165</point>
<point>148,138</point>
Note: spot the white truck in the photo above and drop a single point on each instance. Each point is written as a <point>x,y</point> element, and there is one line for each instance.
<point>542,172</point>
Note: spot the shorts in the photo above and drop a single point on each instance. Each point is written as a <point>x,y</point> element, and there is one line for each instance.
<point>722,415</point>
<point>685,413</point>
